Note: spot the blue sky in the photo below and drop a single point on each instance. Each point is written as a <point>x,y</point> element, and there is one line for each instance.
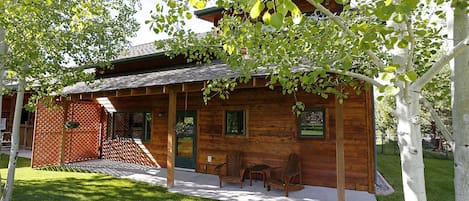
<point>145,35</point>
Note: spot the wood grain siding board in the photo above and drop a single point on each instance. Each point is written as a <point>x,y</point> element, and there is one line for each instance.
<point>371,142</point>
<point>272,132</point>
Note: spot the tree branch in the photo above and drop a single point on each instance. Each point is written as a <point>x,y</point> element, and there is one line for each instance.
<point>410,31</point>
<point>437,66</point>
<point>439,124</point>
<point>348,73</point>
<point>376,60</point>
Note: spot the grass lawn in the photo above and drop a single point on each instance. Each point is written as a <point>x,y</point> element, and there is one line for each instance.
<point>32,184</point>
<point>439,174</point>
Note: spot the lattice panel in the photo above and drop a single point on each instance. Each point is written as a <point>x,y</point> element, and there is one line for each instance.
<point>47,136</point>
<point>82,143</point>
<point>127,151</point>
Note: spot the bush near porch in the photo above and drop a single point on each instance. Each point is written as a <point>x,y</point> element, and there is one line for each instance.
<point>34,184</point>
<point>439,174</point>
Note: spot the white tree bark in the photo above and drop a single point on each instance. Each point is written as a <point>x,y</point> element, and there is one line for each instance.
<point>460,105</point>
<point>408,126</point>
<point>3,50</point>
<point>15,139</point>
<point>410,145</point>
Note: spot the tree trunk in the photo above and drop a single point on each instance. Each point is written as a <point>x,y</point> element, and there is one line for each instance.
<point>3,51</point>
<point>410,146</point>
<point>460,107</point>
<point>14,142</point>
<point>408,126</point>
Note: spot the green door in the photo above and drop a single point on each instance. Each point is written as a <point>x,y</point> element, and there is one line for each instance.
<point>186,132</point>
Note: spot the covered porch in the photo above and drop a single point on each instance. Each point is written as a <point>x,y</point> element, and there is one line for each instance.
<point>333,141</point>
<point>206,185</point>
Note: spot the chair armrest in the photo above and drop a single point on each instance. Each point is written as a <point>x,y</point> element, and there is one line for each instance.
<point>276,172</point>
<point>218,167</point>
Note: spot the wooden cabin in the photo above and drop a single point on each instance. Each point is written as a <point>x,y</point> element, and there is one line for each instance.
<point>6,122</point>
<point>149,109</point>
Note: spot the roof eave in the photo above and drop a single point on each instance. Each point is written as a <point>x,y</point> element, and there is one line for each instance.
<point>208,11</point>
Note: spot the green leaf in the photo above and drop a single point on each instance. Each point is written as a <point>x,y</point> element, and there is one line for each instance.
<point>412,75</point>
<point>270,5</point>
<point>384,12</point>
<point>402,78</point>
<point>256,9</point>
<point>172,4</point>
<point>189,15</point>
<point>229,48</point>
<point>324,95</point>
<point>290,5</point>
<point>267,18</point>
<point>391,90</point>
<point>342,1</point>
<point>380,98</point>
<point>277,20</point>
<point>398,18</point>
<point>409,5</point>
<point>388,2</point>
<point>390,68</point>
<point>199,4</point>
<point>363,27</point>
<point>403,43</point>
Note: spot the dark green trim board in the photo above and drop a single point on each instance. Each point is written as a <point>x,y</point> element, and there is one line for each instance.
<point>208,11</point>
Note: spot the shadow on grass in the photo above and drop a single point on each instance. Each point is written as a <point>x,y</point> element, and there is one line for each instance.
<point>439,174</point>
<point>100,187</point>
<point>20,162</point>
<point>90,187</point>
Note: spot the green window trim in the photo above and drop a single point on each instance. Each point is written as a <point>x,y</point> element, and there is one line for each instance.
<point>311,123</point>
<point>235,122</point>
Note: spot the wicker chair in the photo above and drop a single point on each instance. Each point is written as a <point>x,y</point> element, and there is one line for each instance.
<point>234,170</point>
<point>289,172</point>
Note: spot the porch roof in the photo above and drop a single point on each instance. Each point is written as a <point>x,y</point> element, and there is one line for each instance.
<point>188,73</point>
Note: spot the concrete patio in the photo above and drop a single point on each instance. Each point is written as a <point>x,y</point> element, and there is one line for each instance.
<point>206,185</point>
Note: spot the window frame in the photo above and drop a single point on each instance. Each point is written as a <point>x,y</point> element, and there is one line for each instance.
<point>300,126</point>
<point>146,125</point>
<point>225,123</point>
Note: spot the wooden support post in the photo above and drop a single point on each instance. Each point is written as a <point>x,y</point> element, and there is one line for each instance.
<point>339,154</point>
<point>64,132</point>
<point>171,138</point>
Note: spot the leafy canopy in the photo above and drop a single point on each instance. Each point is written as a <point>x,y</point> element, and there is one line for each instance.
<point>299,50</point>
<point>44,36</point>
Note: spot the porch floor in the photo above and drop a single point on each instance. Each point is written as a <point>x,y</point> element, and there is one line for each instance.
<point>206,185</point>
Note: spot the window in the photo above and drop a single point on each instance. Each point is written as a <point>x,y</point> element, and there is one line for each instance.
<point>312,123</point>
<point>235,122</point>
<point>132,125</point>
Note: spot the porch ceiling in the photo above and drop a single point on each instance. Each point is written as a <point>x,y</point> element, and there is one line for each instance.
<point>177,75</point>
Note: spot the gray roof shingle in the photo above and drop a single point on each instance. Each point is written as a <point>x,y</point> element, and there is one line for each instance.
<point>139,50</point>
<point>182,74</point>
